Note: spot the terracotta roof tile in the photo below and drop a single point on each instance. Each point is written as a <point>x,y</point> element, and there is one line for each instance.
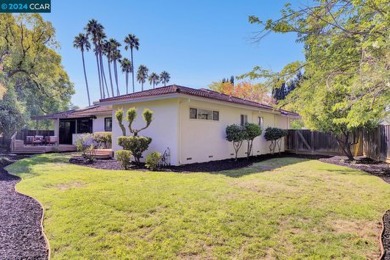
<point>205,93</point>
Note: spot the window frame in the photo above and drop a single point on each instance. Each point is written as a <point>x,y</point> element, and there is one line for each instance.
<point>211,114</point>
<point>105,124</point>
<point>243,119</point>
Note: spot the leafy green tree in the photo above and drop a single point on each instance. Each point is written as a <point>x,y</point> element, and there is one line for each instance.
<point>154,79</point>
<point>135,144</point>
<point>81,42</point>
<point>142,75</point>
<point>12,116</point>
<point>235,134</point>
<point>126,68</point>
<point>251,132</point>
<point>347,59</point>
<point>132,42</point>
<point>31,66</point>
<point>165,77</point>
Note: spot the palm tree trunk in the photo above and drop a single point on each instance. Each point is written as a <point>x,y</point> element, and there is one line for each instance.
<point>116,78</point>
<point>103,75</point>
<point>100,80</point>
<point>109,73</point>
<point>132,67</point>
<point>127,83</point>
<point>86,80</point>
<point>142,87</point>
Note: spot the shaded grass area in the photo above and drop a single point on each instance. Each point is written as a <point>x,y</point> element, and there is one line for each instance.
<point>279,208</point>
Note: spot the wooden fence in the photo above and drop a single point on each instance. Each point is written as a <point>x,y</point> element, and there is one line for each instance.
<point>313,142</point>
<point>377,143</point>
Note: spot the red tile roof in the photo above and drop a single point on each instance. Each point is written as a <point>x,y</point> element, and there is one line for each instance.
<point>204,93</point>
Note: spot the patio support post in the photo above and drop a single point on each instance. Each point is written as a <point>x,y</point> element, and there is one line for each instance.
<point>57,130</point>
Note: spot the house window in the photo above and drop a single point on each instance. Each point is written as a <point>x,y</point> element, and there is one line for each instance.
<point>84,125</point>
<point>244,120</point>
<point>216,115</point>
<point>204,114</point>
<point>108,124</point>
<point>261,122</point>
<point>193,113</point>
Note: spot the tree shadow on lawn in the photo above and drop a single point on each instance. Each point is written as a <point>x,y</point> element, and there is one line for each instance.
<point>25,166</point>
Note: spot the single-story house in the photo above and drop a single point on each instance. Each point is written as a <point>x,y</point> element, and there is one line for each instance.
<point>190,123</point>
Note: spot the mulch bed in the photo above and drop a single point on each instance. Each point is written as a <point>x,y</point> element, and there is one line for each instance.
<point>21,236</point>
<point>213,166</point>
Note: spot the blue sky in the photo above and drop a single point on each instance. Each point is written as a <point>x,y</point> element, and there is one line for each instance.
<point>196,41</point>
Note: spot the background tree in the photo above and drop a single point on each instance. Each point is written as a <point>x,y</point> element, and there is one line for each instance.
<point>246,90</point>
<point>164,77</point>
<point>126,68</point>
<point>93,29</point>
<point>142,75</point>
<point>132,42</point>
<point>347,76</point>
<point>81,42</point>
<point>31,67</point>
<point>107,51</point>
<point>154,79</point>
<point>12,116</point>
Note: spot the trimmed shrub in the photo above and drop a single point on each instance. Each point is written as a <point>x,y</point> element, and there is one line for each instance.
<point>152,160</point>
<point>274,135</point>
<point>135,144</point>
<point>251,132</point>
<point>103,139</point>
<point>235,134</point>
<point>123,156</point>
<point>119,118</point>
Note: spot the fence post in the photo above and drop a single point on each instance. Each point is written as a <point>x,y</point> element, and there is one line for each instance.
<point>296,141</point>
<point>312,141</point>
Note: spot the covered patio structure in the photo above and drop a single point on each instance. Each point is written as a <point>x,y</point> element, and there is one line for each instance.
<point>68,126</point>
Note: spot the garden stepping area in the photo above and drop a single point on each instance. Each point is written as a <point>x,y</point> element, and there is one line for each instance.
<point>21,234</point>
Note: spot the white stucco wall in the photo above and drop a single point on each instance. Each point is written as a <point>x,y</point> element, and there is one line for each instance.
<point>163,130</point>
<point>200,140</point>
<point>204,140</point>
<point>98,123</point>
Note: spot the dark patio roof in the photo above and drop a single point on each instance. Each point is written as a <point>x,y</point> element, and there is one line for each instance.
<point>204,93</point>
<point>77,113</point>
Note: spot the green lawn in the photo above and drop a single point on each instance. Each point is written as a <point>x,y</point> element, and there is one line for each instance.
<point>281,208</point>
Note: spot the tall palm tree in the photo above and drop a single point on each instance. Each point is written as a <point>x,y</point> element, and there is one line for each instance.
<point>92,28</point>
<point>107,51</point>
<point>81,42</point>
<point>165,77</point>
<point>115,56</point>
<point>126,68</point>
<point>132,42</point>
<point>142,75</point>
<point>101,40</point>
<point>154,79</point>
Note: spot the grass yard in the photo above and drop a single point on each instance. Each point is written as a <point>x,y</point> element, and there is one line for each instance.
<point>281,208</point>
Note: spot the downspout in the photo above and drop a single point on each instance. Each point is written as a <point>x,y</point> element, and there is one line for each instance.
<point>179,135</point>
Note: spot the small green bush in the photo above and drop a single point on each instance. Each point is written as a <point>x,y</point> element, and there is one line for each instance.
<point>135,144</point>
<point>86,144</point>
<point>152,160</point>
<point>123,157</point>
<point>103,139</point>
